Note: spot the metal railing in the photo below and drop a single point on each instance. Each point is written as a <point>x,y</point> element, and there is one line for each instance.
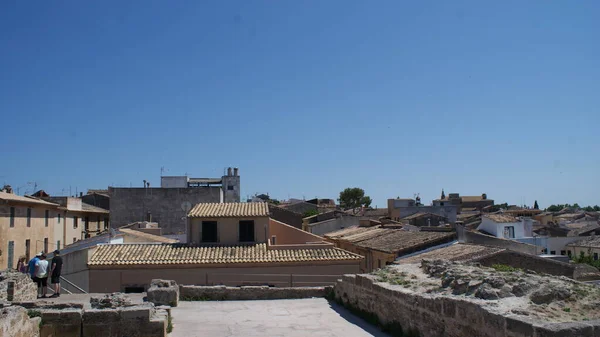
<point>73,285</point>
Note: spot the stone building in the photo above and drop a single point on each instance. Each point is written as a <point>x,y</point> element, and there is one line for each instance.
<point>168,205</point>
<point>233,244</point>
<point>381,246</point>
<point>79,220</point>
<point>401,208</point>
<point>27,225</point>
<point>477,202</point>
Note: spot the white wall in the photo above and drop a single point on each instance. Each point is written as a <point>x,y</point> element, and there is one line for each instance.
<point>174,182</point>
<point>497,229</point>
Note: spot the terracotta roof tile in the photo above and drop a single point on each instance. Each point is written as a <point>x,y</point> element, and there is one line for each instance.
<point>27,199</point>
<point>147,236</point>
<point>229,210</point>
<point>167,254</point>
<point>501,218</point>
<point>457,252</point>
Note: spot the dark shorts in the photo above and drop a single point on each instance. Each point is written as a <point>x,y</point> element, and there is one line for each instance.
<point>41,282</point>
<point>55,279</point>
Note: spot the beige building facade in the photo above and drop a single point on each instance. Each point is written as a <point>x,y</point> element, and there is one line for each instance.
<point>30,225</point>
<point>27,226</point>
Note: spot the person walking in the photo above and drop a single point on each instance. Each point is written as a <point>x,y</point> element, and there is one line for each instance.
<point>55,269</point>
<point>41,275</point>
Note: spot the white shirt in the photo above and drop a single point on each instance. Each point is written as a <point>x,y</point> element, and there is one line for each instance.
<point>42,268</point>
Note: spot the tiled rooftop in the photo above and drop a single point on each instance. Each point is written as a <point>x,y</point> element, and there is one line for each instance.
<point>229,210</point>
<point>387,239</point>
<point>18,198</point>
<point>501,218</point>
<point>456,252</point>
<point>167,254</point>
<point>397,240</point>
<point>91,208</point>
<point>589,242</point>
<point>147,236</point>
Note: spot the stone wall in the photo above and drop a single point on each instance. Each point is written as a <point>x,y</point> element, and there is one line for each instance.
<point>465,236</point>
<point>14,322</point>
<point>286,216</point>
<point>135,321</point>
<point>220,293</point>
<point>431,315</point>
<point>16,287</point>
<point>540,265</point>
<point>166,205</point>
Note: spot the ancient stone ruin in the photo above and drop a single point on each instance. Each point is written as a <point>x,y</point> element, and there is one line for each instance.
<point>441,298</point>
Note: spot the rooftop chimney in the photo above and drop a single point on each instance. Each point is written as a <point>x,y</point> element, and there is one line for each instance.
<point>484,196</point>
<point>235,171</point>
<point>229,172</point>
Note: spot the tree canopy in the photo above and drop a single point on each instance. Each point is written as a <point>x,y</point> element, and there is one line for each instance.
<point>558,207</point>
<point>354,198</point>
<point>535,205</point>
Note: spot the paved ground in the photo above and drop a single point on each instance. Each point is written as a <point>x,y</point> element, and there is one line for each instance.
<point>315,317</point>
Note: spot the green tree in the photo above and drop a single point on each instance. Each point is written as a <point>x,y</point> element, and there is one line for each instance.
<point>310,213</point>
<point>535,205</point>
<point>354,198</point>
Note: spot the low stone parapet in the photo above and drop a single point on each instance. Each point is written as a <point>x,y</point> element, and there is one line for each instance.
<point>16,287</point>
<point>163,292</point>
<point>422,314</point>
<point>134,321</point>
<point>15,322</point>
<point>223,293</point>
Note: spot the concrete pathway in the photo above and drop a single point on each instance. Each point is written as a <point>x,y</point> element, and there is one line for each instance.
<point>314,317</point>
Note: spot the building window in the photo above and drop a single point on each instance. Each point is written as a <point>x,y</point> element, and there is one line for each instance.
<point>441,204</point>
<point>29,217</point>
<point>562,252</point>
<point>28,249</point>
<point>58,244</point>
<point>87,223</point>
<point>545,251</point>
<point>230,187</point>
<point>247,231</point>
<point>46,245</point>
<point>569,253</point>
<point>509,232</point>
<point>75,224</point>
<point>98,223</point>
<point>12,217</point>
<point>595,256</point>
<point>74,239</point>
<point>11,254</point>
<point>552,252</point>
<point>47,217</point>
<point>58,217</point>
<point>209,231</point>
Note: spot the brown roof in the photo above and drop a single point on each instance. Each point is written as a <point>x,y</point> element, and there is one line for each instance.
<point>342,233</point>
<point>386,239</point>
<point>91,208</point>
<point>501,218</point>
<point>147,236</point>
<point>229,210</point>
<point>27,199</point>
<point>457,252</point>
<point>166,254</point>
<point>589,242</point>
<point>396,240</point>
<point>420,214</point>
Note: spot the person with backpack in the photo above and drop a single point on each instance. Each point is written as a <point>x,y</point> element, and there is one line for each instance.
<point>41,275</point>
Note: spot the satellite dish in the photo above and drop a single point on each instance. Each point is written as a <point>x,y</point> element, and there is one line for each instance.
<point>186,206</point>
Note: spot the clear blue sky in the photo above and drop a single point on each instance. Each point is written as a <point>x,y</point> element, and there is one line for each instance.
<point>305,97</point>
